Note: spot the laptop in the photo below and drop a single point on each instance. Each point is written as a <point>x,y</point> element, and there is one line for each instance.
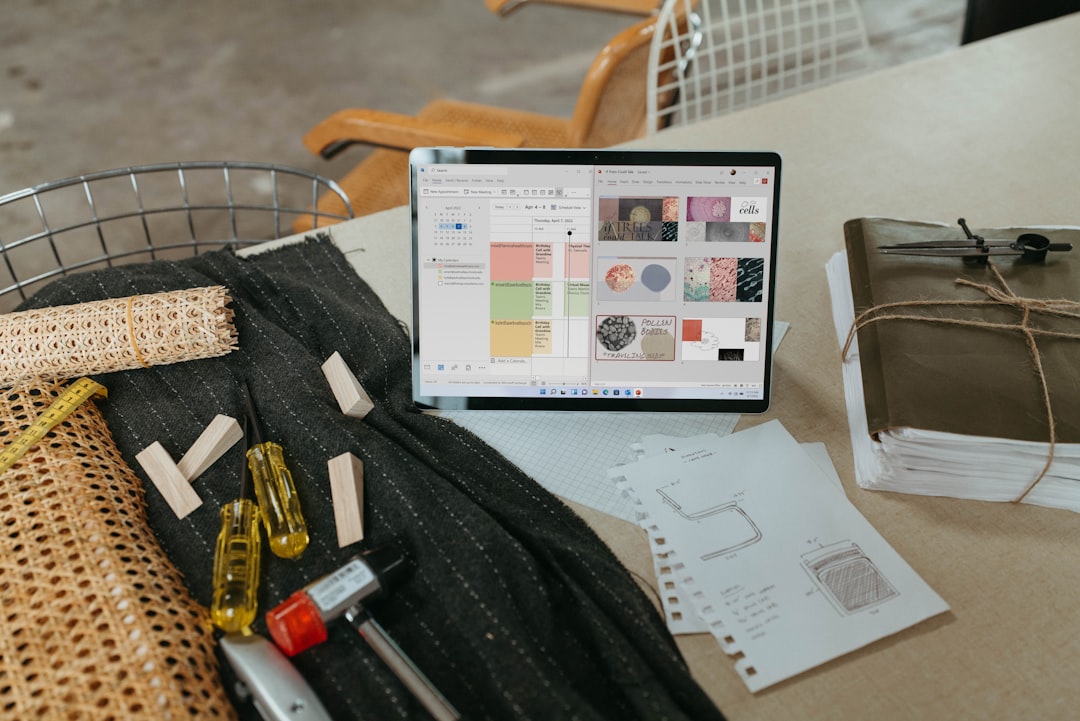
<point>594,280</point>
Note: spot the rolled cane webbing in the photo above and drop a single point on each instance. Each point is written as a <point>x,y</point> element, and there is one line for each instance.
<point>115,334</point>
<point>97,623</point>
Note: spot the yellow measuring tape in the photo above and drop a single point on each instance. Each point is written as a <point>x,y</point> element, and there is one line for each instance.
<point>72,397</point>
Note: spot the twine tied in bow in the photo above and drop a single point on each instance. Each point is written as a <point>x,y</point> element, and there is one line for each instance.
<point>999,295</point>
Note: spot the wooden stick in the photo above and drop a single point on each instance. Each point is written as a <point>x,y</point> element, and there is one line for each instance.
<point>347,492</point>
<point>350,395</point>
<point>176,489</point>
<point>222,433</point>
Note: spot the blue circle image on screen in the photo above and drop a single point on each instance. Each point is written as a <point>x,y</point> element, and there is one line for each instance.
<point>655,277</point>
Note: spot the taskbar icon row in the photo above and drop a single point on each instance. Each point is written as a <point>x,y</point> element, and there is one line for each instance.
<point>590,392</point>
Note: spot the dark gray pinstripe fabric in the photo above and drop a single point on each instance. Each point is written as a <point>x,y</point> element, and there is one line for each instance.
<point>512,606</point>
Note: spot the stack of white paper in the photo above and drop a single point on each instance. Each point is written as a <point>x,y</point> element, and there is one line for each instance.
<point>776,562</point>
<point>919,461</point>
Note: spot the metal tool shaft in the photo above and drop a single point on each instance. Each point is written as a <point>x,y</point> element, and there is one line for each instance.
<point>402,666</point>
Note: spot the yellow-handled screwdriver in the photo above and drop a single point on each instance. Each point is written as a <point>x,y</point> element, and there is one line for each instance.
<point>236,563</point>
<point>279,506</point>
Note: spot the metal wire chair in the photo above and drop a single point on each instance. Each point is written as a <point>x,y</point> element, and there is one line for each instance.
<point>718,56</point>
<point>149,212</point>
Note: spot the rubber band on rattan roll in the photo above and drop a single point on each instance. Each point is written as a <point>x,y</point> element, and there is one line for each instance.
<point>114,334</point>
<point>97,621</point>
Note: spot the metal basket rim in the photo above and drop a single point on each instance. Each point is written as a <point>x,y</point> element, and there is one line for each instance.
<point>183,205</point>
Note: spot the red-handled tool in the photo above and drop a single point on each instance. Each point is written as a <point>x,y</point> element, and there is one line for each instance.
<point>300,621</point>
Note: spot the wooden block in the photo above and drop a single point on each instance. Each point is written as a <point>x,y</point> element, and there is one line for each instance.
<point>351,396</point>
<point>347,492</point>
<point>222,433</point>
<point>176,489</point>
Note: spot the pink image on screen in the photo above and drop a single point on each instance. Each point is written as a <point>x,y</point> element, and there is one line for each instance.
<point>619,277</point>
<point>710,210</point>
<point>671,209</point>
<point>723,279</point>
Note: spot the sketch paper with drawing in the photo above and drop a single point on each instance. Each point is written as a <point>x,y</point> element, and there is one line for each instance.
<point>776,560</point>
<point>675,601</point>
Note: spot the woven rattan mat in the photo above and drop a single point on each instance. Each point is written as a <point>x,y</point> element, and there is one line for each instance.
<point>113,334</point>
<point>97,622</point>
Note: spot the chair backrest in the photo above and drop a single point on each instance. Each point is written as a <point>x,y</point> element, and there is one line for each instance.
<point>611,105</point>
<point>717,56</point>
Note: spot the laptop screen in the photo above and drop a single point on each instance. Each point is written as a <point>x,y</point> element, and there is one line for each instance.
<point>593,279</point>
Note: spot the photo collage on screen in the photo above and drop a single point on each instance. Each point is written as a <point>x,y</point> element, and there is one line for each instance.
<point>661,241</point>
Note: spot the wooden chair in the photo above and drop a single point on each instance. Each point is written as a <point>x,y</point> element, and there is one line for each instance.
<point>610,109</point>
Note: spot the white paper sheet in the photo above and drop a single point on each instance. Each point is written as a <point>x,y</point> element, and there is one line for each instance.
<point>785,571</point>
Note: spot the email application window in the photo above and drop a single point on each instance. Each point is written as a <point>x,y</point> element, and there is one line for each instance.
<point>587,281</point>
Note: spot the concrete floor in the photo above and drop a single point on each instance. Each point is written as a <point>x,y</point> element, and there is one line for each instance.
<point>89,85</point>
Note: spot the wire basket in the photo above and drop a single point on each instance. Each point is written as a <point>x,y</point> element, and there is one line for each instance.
<point>150,212</point>
<point>79,656</point>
